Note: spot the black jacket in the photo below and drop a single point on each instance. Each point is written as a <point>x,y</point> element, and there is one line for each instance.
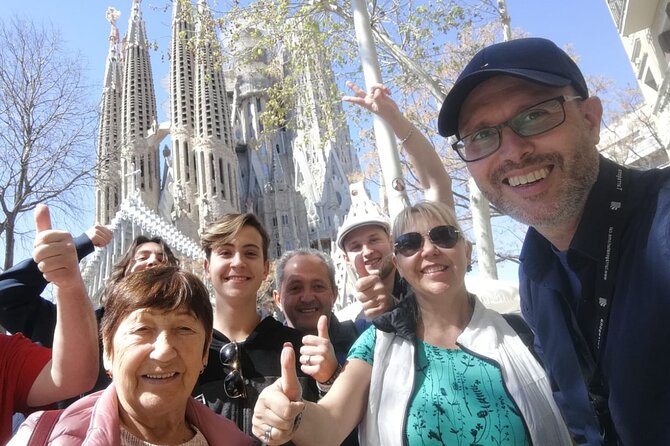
<point>260,361</point>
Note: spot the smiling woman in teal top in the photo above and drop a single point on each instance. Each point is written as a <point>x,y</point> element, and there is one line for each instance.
<point>458,399</point>
<point>438,369</point>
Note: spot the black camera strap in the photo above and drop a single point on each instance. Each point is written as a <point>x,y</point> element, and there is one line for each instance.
<point>617,181</point>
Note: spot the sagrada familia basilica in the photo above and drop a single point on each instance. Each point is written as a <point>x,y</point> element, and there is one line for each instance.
<point>216,156</point>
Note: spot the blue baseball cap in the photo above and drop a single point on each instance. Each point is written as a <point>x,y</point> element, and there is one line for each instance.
<point>535,59</point>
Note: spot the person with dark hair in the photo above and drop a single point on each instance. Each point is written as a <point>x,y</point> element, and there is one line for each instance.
<point>156,334</point>
<point>33,376</point>
<point>144,252</point>
<point>595,264</point>
<point>306,292</point>
<point>23,309</point>
<point>245,350</point>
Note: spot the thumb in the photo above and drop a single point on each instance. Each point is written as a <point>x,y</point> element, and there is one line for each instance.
<point>359,263</point>
<point>289,377</point>
<point>322,327</point>
<point>42,218</point>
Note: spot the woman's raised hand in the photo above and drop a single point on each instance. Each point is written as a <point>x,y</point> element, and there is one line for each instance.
<point>377,100</point>
<point>278,405</point>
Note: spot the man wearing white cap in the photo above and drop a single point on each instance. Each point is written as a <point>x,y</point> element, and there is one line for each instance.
<point>368,248</point>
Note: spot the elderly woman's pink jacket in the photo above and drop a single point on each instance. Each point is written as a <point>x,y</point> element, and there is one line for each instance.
<point>94,420</point>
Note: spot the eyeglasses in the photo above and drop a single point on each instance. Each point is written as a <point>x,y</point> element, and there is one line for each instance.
<point>410,243</point>
<point>233,383</point>
<point>532,121</point>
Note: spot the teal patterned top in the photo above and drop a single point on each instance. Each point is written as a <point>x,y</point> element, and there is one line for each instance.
<point>458,399</point>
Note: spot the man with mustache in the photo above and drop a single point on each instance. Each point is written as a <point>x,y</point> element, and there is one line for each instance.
<point>305,292</point>
<point>595,264</point>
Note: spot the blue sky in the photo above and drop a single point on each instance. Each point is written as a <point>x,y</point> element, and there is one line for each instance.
<point>584,25</point>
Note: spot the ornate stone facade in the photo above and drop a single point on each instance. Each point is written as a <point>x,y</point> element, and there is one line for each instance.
<point>221,159</point>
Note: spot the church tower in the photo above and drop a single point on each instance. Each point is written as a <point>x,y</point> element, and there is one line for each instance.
<point>108,180</point>
<point>204,163</point>
<point>213,139</point>
<point>139,154</point>
<point>322,150</point>
<point>181,118</point>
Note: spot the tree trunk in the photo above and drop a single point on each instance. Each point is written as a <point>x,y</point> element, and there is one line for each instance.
<point>9,241</point>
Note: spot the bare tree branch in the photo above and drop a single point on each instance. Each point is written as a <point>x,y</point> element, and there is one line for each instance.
<point>46,125</point>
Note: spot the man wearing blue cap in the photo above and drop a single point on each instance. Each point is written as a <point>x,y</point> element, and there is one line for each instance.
<point>595,264</point>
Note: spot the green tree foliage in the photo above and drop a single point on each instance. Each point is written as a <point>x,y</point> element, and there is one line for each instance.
<point>421,45</point>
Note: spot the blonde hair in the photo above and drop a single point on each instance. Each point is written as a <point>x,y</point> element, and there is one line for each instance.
<point>425,210</point>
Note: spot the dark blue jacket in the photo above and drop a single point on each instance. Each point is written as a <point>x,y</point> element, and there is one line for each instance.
<point>635,358</point>
<point>22,308</point>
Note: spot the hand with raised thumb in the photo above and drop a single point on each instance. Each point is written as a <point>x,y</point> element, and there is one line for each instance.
<point>54,252</point>
<point>371,292</point>
<point>317,355</point>
<point>279,404</point>
<point>99,235</point>
<point>42,218</point>
<point>359,264</point>
<point>289,377</point>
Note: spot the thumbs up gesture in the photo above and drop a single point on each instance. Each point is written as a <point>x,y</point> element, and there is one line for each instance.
<point>99,235</point>
<point>317,355</point>
<point>279,404</point>
<point>371,292</point>
<point>54,252</point>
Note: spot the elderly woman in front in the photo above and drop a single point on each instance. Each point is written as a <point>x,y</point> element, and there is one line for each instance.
<point>439,369</point>
<point>156,332</point>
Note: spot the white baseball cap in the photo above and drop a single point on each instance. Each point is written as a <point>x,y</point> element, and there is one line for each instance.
<point>356,221</point>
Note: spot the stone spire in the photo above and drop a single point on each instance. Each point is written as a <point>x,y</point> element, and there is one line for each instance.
<point>181,110</point>
<point>139,159</point>
<point>112,67</point>
<point>216,162</point>
<point>108,182</point>
<point>137,34</point>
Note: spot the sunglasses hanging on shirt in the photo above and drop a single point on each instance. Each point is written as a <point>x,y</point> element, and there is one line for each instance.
<point>233,383</point>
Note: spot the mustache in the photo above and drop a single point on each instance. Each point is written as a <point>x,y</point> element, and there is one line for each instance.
<point>530,160</point>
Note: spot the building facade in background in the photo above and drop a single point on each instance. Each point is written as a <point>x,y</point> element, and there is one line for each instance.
<point>220,158</point>
<point>642,138</point>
